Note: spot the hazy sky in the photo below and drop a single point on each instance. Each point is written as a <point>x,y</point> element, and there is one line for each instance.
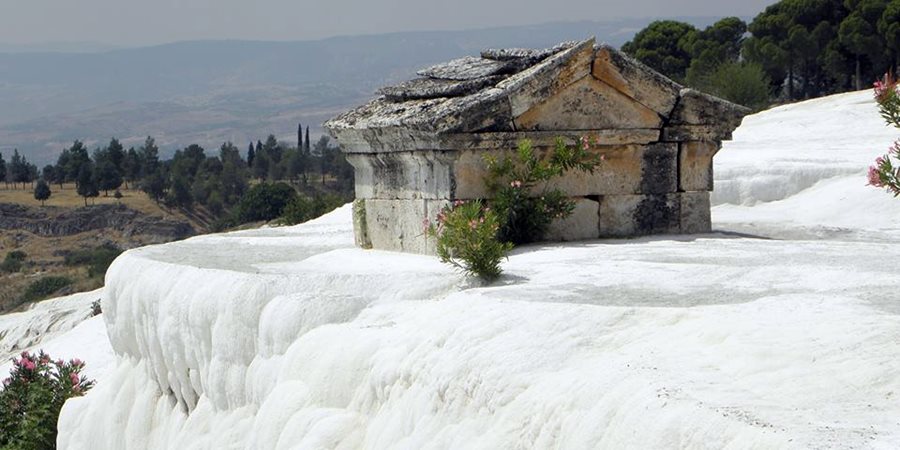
<point>132,22</point>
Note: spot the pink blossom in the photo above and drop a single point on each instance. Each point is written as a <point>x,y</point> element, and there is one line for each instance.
<point>6,381</point>
<point>473,224</point>
<point>602,157</point>
<point>585,144</point>
<point>76,362</point>
<point>27,364</point>
<point>515,184</point>
<point>73,377</point>
<point>875,177</point>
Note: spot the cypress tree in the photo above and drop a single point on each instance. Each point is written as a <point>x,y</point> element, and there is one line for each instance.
<point>299,136</point>
<point>251,155</point>
<point>306,149</point>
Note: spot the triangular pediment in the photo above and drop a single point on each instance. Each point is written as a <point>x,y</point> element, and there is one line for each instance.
<point>587,104</point>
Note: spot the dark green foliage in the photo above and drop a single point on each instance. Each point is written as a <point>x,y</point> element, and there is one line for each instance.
<point>302,209</point>
<point>664,46</point>
<point>13,261</point>
<point>466,237</point>
<point>44,288</point>
<point>32,398</point>
<point>2,168</point>
<point>265,201</point>
<point>155,184</point>
<point>20,170</point>
<point>742,83</point>
<point>525,202</point>
<point>96,259</point>
<point>42,191</point>
<point>86,186</point>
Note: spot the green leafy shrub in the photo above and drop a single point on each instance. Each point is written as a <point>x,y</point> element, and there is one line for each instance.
<point>302,209</point>
<point>466,236</point>
<point>13,261</point>
<point>475,237</point>
<point>265,201</point>
<point>521,187</point>
<point>32,397</point>
<point>96,259</point>
<point>44,288</point>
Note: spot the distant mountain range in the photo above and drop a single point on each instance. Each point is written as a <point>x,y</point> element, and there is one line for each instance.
<point>207,92</point>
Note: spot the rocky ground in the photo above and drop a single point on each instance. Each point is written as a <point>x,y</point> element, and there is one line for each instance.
<point>48,233</point>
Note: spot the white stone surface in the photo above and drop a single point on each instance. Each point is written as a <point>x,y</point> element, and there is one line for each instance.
<point>292,338</point>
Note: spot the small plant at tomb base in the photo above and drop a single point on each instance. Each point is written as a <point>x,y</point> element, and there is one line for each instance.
<point>32,396</point>
<point>475,236</point>
<point>466,236</point>
<point>886,173</point>
<point>522,192</point>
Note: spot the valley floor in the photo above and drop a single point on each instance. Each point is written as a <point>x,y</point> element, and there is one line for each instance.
<point>778,330</point>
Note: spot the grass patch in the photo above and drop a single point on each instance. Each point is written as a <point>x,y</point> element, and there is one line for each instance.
<point>96,259</point>
<point>45,288</point>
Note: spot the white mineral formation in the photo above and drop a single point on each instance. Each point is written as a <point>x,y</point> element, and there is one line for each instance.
<point>778,330</point>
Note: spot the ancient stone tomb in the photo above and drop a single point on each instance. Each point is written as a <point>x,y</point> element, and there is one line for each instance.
<point>421,144</point>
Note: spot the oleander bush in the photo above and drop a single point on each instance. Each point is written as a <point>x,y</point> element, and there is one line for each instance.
<point>885,173</point>
<point>32,396</point>
<point>475,236</point>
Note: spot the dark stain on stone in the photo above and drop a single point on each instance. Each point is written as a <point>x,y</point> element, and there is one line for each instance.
<point>659,172</point>
<point>657,214</point>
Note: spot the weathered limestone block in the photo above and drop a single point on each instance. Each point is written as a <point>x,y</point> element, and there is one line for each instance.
<point>636,215</point>
<point>695,161</point>
<point>534,85</point>
<point>635,80</point>
<point>719,117</point>
<point>424,88</point>
<point>626,169</point>
<point>695,214</point>
<point>465,68</point>
<point>398,225</point>
<point>684,133</point>
<point>403,175</point>
<point>581,225</point>
<point>588,104</point>
<point>360,231</point>
<point>508,141</point>
<point>659,169</point>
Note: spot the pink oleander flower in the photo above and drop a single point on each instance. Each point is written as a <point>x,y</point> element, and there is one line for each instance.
<point>879,88</point>
<point>473,224</point>
<point>875,177</point>
<point>515,184</point>
<point>585,143</point>
<point>73,377</point>
<point>458,203</point>
<point>28,364</point>
<point>76,362</point>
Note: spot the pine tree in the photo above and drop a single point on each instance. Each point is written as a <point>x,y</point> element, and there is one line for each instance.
<point>42,191</point>
<point>251,155</point>
<point>2,169</point>
<point>85,180</point>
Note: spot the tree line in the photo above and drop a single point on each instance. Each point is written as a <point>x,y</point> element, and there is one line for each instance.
<point>794,49</point>
<point>190,177</point>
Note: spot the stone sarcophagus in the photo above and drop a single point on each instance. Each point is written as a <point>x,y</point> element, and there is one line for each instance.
<point>421,144</point>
